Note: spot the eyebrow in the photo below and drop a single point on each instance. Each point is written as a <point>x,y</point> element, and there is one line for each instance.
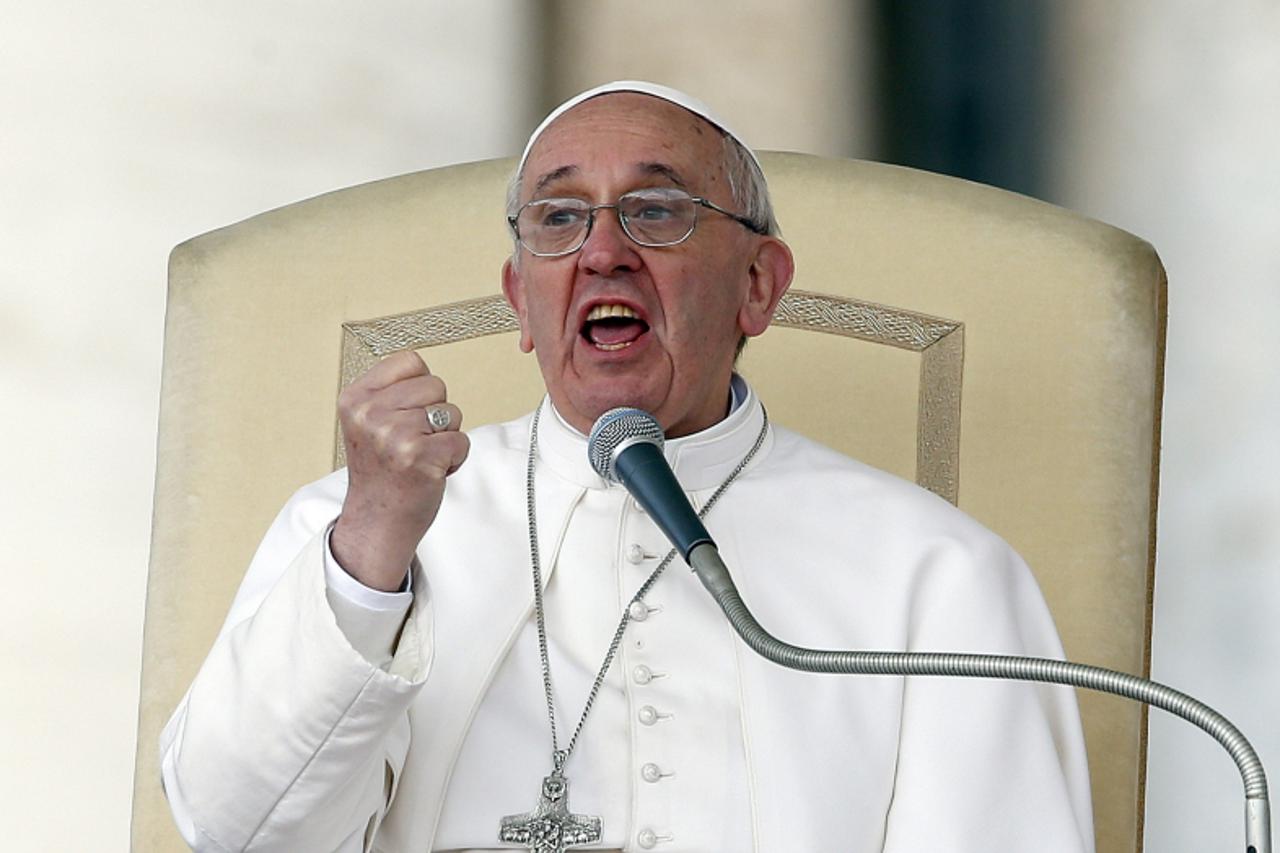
<point>553,176</point>
<point>646,168</point>
<point>666,171</point>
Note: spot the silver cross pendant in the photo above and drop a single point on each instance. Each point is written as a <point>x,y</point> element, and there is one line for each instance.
<point>550,828</point>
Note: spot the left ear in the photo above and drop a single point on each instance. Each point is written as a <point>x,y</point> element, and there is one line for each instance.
<point>768,278</point>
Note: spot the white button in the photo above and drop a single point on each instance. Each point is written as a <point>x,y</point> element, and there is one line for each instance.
<point>651,772</point>
<point>635,554</point>
<point>635,504</point>
<point>638,611</point>
<point>648,715</point>
<point>642,674</point>
<point>648,839</point>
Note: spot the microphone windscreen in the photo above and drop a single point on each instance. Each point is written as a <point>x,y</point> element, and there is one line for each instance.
<point>616,428</point>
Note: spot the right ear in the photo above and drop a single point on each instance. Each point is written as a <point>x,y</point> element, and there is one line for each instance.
<point>513,290</point>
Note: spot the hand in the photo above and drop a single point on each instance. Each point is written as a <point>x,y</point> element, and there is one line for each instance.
<point>397,464</point>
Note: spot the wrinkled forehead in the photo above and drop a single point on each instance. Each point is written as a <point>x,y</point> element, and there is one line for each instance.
<point>626,134</point>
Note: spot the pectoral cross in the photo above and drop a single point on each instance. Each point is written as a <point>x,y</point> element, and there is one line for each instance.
<point>550,828</point>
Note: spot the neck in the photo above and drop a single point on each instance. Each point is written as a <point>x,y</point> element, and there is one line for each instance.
<point>733,396</point>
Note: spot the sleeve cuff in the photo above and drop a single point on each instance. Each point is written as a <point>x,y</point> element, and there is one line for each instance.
<point>370,619</point>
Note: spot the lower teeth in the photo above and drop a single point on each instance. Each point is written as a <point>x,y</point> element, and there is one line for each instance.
<point>612,347</point>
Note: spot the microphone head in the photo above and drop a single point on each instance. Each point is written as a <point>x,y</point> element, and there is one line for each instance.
<point>615,430</point>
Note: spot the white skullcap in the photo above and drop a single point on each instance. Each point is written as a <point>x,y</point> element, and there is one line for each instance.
<point>655,90</point>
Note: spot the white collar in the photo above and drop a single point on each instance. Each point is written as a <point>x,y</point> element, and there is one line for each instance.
<point>700,461</point>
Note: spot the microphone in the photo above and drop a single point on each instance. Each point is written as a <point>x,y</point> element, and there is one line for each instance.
<point>625,446</point>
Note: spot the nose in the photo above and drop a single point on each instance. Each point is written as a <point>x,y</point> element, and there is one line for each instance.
<point>608,250</point>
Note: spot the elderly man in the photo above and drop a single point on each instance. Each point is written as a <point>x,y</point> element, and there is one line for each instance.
<point>384,680</point>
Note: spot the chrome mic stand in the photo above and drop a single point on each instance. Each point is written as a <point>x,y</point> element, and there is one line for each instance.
<point>710,569</point>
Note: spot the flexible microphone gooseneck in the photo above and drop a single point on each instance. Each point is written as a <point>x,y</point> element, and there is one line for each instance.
<point>625,446</point>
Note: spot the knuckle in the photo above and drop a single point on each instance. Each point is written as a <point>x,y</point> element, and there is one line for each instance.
<point>383,432</point>
<point>458,447</point>
<point>410,362</point>
<point>404,452</point>
<point>348,402</point>
<point>348,398</point>
<point>435,472</point>
<point>360,415</point>
<point>462,448</point>
<point>435,388</point>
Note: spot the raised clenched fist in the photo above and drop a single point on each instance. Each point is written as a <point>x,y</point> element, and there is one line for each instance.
<point>402,442</point>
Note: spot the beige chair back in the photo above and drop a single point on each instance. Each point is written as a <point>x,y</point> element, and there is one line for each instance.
<point>1002,352</point>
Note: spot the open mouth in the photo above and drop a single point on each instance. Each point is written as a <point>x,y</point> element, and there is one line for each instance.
<point>612,327</point>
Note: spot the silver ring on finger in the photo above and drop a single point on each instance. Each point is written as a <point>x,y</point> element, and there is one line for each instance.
<point>438,418</point>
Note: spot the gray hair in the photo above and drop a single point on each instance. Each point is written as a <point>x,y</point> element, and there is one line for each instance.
<point>747,187</point>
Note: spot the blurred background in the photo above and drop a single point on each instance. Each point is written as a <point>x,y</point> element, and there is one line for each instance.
<point>127,127</point>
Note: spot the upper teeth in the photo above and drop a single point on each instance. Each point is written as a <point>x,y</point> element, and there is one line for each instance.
<point>600,312</point>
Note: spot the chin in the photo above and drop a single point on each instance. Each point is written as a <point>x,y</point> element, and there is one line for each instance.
<point>592,404</point>
<point>603,404</point>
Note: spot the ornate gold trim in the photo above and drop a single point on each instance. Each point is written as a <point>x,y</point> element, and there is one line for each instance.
<point>938,424</point>
<point>940,343</point>
<point>366,341</point>
<point>868,321</point>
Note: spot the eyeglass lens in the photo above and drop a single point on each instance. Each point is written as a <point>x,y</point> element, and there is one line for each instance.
<point>650,217</point>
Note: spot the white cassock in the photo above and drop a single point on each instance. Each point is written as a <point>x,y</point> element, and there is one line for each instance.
<point>322,723</point>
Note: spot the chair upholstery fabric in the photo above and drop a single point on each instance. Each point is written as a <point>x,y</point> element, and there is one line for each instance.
<point>1001,351</point>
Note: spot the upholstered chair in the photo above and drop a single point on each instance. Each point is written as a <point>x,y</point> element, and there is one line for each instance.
<point>1002,352</point>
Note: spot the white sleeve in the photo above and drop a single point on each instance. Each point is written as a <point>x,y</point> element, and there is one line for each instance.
<point>289,735</point>
<point>370,618</point>
<point>986,764</point>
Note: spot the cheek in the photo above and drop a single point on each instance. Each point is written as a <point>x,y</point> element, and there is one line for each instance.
<point>542,330</point>
<point>546,318</point>
<point>714,299</point>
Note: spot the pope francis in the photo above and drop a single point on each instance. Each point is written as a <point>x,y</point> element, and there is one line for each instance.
<point>470,642</point>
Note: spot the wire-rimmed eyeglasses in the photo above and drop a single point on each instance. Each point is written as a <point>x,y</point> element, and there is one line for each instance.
<point>655,217</point>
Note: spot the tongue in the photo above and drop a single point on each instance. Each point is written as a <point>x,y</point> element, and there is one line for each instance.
<point>615,331</point>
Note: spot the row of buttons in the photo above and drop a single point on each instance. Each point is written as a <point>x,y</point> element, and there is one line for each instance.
<point>648,715</point>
